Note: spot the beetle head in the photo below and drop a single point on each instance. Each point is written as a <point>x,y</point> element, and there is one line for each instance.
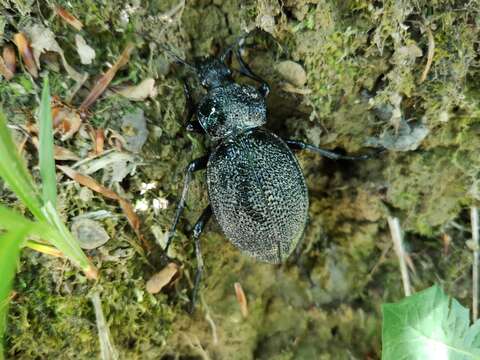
<point>212,72</point>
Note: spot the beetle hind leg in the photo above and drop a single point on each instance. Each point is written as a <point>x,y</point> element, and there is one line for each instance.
<point>197,231</point>
<point>300,145</point>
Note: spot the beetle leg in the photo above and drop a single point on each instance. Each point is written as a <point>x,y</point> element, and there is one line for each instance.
<point>197,231</point>
<point>195,165</point>
<point>191,108</point>
<point>246,71</point>
<point>299,145</point>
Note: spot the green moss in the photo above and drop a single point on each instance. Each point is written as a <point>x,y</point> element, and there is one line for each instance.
<point>433,191</point>
<point>360,58</point>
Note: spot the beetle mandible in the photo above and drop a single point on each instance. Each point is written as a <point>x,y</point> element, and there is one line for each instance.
<point>256,188</point>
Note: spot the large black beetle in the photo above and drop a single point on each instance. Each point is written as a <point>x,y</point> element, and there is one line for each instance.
<point>256,188</point>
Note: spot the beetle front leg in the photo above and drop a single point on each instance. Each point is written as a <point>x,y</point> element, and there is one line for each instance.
<point>300,145</point>
<point>193,126</point>
<point>197,231</point>
<point>246,71</point>
<point>195,165</point>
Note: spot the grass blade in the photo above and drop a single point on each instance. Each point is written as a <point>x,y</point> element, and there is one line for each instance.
<point>53,231</point>
<point>46,151</point>
<point>10,244</point>
<point>14,172</point>
<point>11,220</point>
<point>63,240</point>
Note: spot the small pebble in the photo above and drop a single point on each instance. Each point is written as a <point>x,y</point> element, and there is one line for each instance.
<point>158,281</point>
<point>89,233</point>
<point>292,72</point>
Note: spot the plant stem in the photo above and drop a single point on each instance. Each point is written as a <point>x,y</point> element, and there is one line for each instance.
<point>475,235</point>
<point>396,233</point>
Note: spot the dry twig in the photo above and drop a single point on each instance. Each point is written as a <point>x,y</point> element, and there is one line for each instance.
<point>396,232</point>
<point>431,52</point>
<point>105,80</point>
<point>68,18</point>
<point>107,347</point>
<point>242,299</point>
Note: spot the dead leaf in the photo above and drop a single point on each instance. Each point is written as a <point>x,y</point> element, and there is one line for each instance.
<point>127,208</point>
<point>68,18</point>
<point>134,129</point>
<point>99,141</point>
<point>86,53</point>
<point>4,70</point>
<point>146,89</point>
<point>158,281</point>
<point>42,40</point>
<point>10,58</point>
<point>447,240</point>
<point>66,120</point>
<point>26,54</point>
<point>105,80</point>
<point>89,182</point>
<point>59,152</point>
<point>115,166</point>
<point>242,299</point>
<point>132,217</point>
<point>70,124</point>
<point>116,140</point>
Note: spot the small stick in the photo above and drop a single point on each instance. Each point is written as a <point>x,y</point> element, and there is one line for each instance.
<point>475,236</point>
<point>107,347</point>
<point>396,233</point>
<point>210,321</point>
<point>431,52</point>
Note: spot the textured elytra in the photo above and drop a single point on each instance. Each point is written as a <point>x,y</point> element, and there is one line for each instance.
<point>258,194</point>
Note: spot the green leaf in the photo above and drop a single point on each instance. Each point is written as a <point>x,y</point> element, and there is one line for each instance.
<point>429,326</point>
<point>47,160</point>
<point>53,230</point>
<point>10,244</point>
<point>11,220</point>
<point>14,172</point>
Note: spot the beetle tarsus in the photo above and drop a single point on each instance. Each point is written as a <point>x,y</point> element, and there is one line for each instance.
<point>194,126</point>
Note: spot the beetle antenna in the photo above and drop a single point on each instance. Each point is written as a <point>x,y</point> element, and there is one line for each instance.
<point>229,50</point>
<point>178,58</point>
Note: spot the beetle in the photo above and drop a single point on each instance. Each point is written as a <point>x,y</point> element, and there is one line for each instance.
<point>256,188</point>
